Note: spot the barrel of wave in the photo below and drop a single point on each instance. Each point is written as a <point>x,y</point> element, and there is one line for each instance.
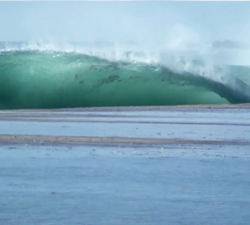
<point>60,80</point>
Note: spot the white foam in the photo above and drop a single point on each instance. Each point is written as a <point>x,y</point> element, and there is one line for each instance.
<point>184,54</point>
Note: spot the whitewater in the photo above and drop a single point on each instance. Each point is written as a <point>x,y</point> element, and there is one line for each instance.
<point>37,76</point>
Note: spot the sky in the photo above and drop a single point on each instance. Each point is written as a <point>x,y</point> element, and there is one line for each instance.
<point>153,21</point>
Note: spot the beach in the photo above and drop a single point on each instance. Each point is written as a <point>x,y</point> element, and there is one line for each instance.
<point>125,165</point>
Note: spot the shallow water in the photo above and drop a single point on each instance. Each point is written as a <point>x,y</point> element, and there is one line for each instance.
<point>176,183</point>
<point>208,125</point>
<point>91,185</point>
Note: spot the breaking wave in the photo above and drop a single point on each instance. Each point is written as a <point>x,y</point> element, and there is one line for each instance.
<point>42,78</point>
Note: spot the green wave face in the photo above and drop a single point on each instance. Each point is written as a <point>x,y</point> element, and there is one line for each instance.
<point>35,79</point>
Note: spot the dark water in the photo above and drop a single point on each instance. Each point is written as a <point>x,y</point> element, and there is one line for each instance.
<point>49,79</point>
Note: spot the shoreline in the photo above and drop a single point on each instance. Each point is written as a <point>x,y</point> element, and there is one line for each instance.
<point>128,126</point>
<point>137,108</point>
<point>110,141</point>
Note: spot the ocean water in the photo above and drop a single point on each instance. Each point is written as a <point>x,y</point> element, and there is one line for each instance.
<point>58,185</point>
<point>45,76</point>
<point>202,177</point>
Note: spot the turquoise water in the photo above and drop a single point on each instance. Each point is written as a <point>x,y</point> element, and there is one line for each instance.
<point>51,79</point>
